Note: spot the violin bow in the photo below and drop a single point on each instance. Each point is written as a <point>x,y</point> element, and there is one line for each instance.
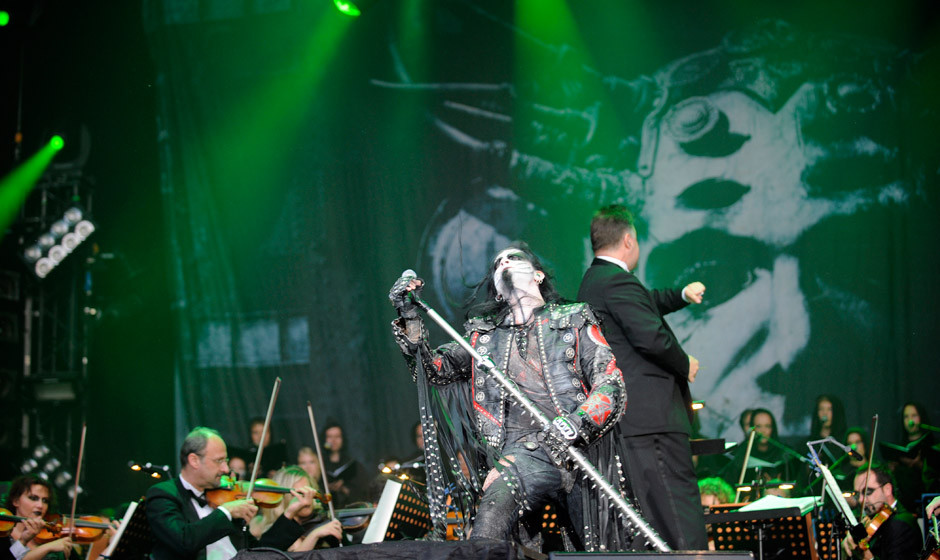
<point>870,453</point>
<point>78,474</point>
<point>747,455</point>
<point>264,436</point>
<point>316,443</point>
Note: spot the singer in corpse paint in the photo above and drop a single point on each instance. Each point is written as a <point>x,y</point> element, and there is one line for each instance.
<point>559,359</point>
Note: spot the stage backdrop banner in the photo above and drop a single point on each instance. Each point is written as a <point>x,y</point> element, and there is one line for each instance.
<point>785,161</point>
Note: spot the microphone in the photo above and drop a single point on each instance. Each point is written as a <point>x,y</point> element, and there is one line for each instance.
<point>854,454</point>
<point>910,423</point>
<point>409,274</point>
<point>849,449</point>
<point>823,419</point>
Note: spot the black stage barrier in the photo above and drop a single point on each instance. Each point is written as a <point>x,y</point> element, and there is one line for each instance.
<point>677,555</point>
<point>394,550</point>
<point>691,555</point>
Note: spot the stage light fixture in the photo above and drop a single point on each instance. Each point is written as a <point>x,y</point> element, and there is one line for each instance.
<point>63,479</point>
<point>70,241</point>
<point>348,8</point>
<point>43,267</point>
<point>70,231</point>
<point>57,142</point>
<point>32,253</point>
<point>698,405</point>
<point>57,253</point>
<point>4,18</point>
<point>84,228</point>
<point>154,471</point>
<point>73,215</point>
<point>353,8</point>
<point>59,228</point>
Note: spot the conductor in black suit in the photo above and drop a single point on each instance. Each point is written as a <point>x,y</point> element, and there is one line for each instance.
<point>186,528</point>
<point>657,372</point>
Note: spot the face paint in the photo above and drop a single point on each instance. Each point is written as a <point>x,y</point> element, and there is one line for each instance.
<point>512,270</point>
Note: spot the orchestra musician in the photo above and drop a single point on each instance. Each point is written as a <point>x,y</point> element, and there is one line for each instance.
<point>31,497</point>
<point>186,527</point>
<point>898,537</point>
<point>295,477</point>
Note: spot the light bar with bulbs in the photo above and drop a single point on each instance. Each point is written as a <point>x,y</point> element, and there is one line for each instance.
<point>63,237</point>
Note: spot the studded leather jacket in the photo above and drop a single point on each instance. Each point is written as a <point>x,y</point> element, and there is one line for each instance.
<point>579,368</point>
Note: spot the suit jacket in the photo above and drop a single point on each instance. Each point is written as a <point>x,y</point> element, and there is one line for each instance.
<point>898,538</point>
<point>655,368</point>
<point>179,534</point>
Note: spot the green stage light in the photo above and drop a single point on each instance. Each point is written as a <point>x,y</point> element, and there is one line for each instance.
<point>57,142</point>
<point>4,18</point>
<point>348,8</point>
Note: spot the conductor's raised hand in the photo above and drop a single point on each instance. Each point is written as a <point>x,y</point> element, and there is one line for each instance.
<point>693,368</point>
<point>693,292</point>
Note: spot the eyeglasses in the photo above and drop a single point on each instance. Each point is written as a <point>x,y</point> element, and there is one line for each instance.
<point>219,462</point>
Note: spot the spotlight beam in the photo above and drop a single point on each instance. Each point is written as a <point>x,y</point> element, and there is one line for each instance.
<point>16,186</point>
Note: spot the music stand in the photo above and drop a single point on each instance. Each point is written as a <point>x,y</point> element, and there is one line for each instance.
<point>401,513</point>
<point>133,540</point>
<point>782,528</point>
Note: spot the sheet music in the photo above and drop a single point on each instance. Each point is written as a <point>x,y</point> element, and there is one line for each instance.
<point>776,502</point>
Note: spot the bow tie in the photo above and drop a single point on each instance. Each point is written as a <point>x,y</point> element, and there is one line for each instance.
<point>200,499</point>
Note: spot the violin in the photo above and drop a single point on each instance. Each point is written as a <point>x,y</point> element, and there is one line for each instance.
<point>266,493</point>
<point>874,523</point>
<point>85,530</point>
<point>88,528</point>
<point>8,521</point>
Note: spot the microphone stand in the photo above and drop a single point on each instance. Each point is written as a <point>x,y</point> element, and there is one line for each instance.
<point>786,449</point>
<point>633,517</point>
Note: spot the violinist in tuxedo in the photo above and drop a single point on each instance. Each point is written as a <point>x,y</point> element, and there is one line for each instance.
<point>657,372</point>
<point>185,527</point>
<point>898,537</point>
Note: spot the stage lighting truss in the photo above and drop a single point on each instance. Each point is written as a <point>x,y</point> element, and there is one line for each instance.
<point>54,245</point>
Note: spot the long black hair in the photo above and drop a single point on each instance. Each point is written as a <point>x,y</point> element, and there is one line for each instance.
<point>484,303</point>
<point>839,424</point>
<point>921,411</point>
